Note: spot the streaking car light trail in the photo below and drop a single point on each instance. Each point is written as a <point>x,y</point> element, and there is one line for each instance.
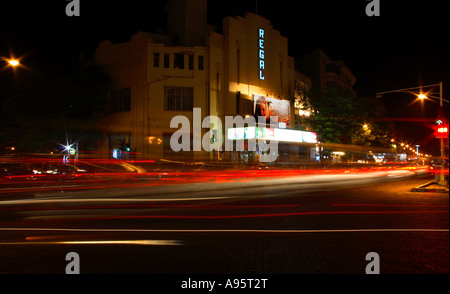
<point>87,217</point>
<point>227,230</point>
<point>386,205</point>
<point>36,201</point>
<point>257,182</point>
<point>97,242</point>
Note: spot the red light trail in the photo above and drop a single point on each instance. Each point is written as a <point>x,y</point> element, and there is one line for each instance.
<point>263,215</point>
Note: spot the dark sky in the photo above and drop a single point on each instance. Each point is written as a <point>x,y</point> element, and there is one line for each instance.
<point>406,46</point>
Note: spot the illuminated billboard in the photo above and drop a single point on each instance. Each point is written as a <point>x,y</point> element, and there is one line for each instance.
<point>286,135</point>
<point>265,106</point>
<point>309,137</point>
<point>281,135</point>
<point>241,133</point>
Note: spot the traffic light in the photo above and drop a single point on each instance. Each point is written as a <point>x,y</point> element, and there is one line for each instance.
<point>213,136</point>
<point>127,147</point>
<point>442,131</point>
<point>441,128</point>
<point>122,144</point>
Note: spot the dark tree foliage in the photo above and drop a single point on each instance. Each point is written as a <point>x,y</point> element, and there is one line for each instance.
<point>339,117</point>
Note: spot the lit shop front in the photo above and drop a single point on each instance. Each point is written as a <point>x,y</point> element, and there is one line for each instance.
<point>293,146</point>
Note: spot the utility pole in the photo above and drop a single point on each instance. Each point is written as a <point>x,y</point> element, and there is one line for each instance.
<point>440,113</point>
<point>441,177</point>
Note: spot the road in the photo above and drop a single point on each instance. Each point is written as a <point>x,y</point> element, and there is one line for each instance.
<point>311,224</point>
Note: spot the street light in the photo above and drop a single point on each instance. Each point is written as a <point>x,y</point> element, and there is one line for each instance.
<point>423,96</point>
<point>13,62</point>
<point>419,95</point>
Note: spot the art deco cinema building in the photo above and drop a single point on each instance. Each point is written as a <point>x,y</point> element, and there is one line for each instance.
<point>223,72</point>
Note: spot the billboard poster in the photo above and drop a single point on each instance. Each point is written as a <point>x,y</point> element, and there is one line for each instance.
<point>309,137</point>
<point>281,135</point>
<point>265,106</point>
<point>246,133</point>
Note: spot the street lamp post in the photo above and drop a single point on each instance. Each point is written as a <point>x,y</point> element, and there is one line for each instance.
<point>424,96</point>
<point>441,177</point>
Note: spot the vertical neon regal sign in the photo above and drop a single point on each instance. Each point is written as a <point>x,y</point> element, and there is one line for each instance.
<point>261,54</point>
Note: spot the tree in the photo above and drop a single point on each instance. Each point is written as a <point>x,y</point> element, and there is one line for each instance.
<point>335,110</point>
<point>372,135</point>
<point>339,116</point>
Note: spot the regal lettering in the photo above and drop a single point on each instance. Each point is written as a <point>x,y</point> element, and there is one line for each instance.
<point>261,54</point>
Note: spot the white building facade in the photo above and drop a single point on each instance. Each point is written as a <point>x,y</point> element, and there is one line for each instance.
<point>158,77</point>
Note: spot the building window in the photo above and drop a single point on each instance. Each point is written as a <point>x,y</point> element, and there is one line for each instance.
<point>166,60</point>
<point>178,98</point>
<point>178,62</point>
<point>191,61</point>
<point>156,59</point>
<point>347,80</point>
<point>121,100</point>
<point>281,73</point>
<point>331,67</point>
<point>201,61</point>
<point>331,84</point>
<point>238,56</point>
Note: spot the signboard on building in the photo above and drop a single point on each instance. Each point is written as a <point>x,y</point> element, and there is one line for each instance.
<point>262,64</point>
<point>265,106</point>
<point>281,135</point>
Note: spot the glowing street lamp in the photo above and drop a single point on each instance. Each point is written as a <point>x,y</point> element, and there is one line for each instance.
<point>422,96</point>
<point>13,62</point>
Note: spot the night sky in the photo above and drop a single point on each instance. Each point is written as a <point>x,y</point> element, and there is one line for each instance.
<point>407,46</point>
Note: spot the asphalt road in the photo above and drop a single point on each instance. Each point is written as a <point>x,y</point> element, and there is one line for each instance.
<point>284,227</point>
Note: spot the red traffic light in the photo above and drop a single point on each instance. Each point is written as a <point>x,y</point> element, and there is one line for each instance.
<point>442,131</point>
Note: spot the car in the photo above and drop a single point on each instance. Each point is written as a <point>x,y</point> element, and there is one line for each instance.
<point>16,171</point>
<point>57,171</point>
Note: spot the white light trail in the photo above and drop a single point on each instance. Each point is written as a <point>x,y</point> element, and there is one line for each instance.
<point>232,230</point>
